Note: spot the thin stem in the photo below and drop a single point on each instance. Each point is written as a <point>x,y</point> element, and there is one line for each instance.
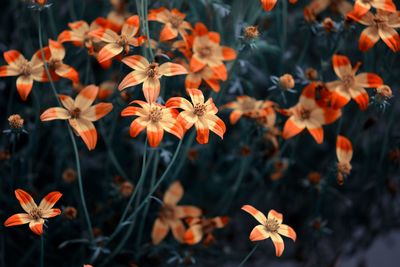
<point>41,251</point>
<point>249,255</point>
<point>75,147</point>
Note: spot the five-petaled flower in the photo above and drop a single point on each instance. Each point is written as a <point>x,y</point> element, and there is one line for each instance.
<point>203,227</point>
<point>344,153</point>
<point>27,71</point>
<point>80,113</point>
<point>350,85</point>
<point>149,74</point>
<point>198,113</point>
<point>35,215</point>
<point>309,114</point>
<point>117,44</point>
<point>270,226</point>
<point>380,25</point>
<point>171,215</point>
<point>156,119</point>
<point>173,20</point>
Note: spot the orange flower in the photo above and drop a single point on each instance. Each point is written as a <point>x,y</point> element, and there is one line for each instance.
<point>199,227</point>
<point>200,113</point>
<point>318,6</point>
<point>250,107</point>
<point>156,119</point>
<point>344,153</point>
<point>270,226</point>
<point>268,5</point>
<point>80,114</point>
<point>307,113</point>
<point>54,55</point>
<point>118,43</point>
<point>381,25</point>
<point>362,6</point>
<point>118,16</point>
<point>149,75</point>
<point>173,20</point>
<point>27,71</point>
<point>208,52</point>
<point>350,86</point>
<point>170,215</point>
<point>35,215</point>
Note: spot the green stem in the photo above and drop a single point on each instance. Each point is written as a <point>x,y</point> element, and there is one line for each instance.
<point>249,255</point>
<point>75,147</point>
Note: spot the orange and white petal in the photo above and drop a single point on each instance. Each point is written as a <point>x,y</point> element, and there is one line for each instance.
<point>344,149</point>
<point>278,244</point>
<point>215,124</point>
<point>196,95</point>
<point>235,116</point>
<point>86,97</point>
<point>57,50</point>
<point>67,72</point>
<point>105,35</point>
<point>193,235</point>
<point>134,111</point>
<point>24,86</point>
<point>50,213</point>
<point>316,130</point>
<point>173,127</point>
<point>37,226</point>
<point>86,130</point>
<point>210,106</point>
<point>17,219</point>
<point>25,200</point>
<point>193,80</point>
<point>187,211</point>
<point>50,200</point>
<point>228,53</point>
<point>220,71</point>
<point>9,71</point>
<point>341,65</point>
<point>151,89</point>
<point>13,58</point>
<point>268,5</point>
<point>214,84</point>
<point>136,62</point>
<point>96,112</point>
<point>172,69</point>
<point>196,63</point>
<point>203,132</point>
<point>173,194</point>
<point>360,8</point>
<point>79,26</point>
<point>292,127</point>
<point>55,113</point>
<point>273,214</point>
<point>179,102</point>
<point>360,96</point>
<point>66,101</point>
<point>159,232</point>
<point>109,51</point>
<point>259,233</point>
<point>168,33</point>
<point>287,231</point>
<point>133,78</point>
<point>331,115</point>
<point>155,134</point>
<point>258,215</point>
<point>187,118</point>
<point>386,5</point>
<point>159,14</point>
<point>178,229</point>
<point>368,38</point>
<point>137,126</point>
<point>131,26</point>
<point>390,37</point>
<point>368,80</point>
<point>339,96</point>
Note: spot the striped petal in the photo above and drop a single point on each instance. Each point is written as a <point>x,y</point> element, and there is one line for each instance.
<point>258,215</point>
<point>136,62</point>
<point>133,78</point>
<point>196,64</point>
<point>178,229</point>
<point>192,81</point>
<point>344,149</point>
<point>179,102</point>
<point>13,57</point>
<point>159,232</point>
<point>25,200</point>
<point>360,96</point>
<point>24,86</point>
<point>386,5</point>
<point>259,233</point>
<point>105,35</point>
<point>360,8</point>
<point>50,213</point>
<point>215,124</point>
<point>287,231</point>
<point>203,132</point>
<point>278,243</point>
<point>67,72</point>
<point>235,116</point>
<point>57,50</point>
<point>155,134</point>
<point>187,211</point>
<point>50,200</point>
<point>37,226</point>
<point>316,131</point>
<point>9,71</point>
<point>86,97</point>
<point>173,194</point>
<point>187,119</point>
<point>17,219</point>
<point>66,101</point>
<point>341,65</point>
<point>228,53</point>
<point>151,89</point>
<point>131,26</point>
<point>196,95</point>
<point>172,69</point>
<point>390,37</point>
<point>173,127</point>
<point>193,235</point>
<point>292,127</point>
<point>369,80</point>
<point>273,214</point>
<point>55,114</point>
<point>86,130</point>
<point>96,112</point>
<point>368,38</point>
<point>109,51</point>
<point>168,33</point>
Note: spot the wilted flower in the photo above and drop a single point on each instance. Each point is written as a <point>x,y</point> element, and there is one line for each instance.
<point>35,215</point>
<point>200,227</point>
<point>69,175</point>
<point>270,227</point>
<point>70,212</point>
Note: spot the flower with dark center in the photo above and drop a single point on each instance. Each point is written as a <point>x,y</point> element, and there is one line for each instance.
<point>199,109</point>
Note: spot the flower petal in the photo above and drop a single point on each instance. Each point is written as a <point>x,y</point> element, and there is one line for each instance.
<point>17,219</point>
<point>159,232</point>
<point>173,194</point>
<point>278,243</point>
<point>37,226</point>
<point>86,130</point>
<point>50,200</point>
<point>55,114</point>
<point>259,233</point>
<point>96,112</point>
<point>86,97</point>
<point>25,200</point>
<point>258,215</point>
<point>24,86</point>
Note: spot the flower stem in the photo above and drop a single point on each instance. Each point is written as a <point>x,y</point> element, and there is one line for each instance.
<point>74,145</point>
<point>248,255</point>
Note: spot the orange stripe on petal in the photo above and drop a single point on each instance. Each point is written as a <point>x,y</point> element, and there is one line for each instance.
<point>291,128</point>
<point>317,134</point>
<point>25,200</point>
<point>259,233</point>
<point>50,200</point>
<point>258,215</point>
<point>24,86</point>
<point>17,219</point>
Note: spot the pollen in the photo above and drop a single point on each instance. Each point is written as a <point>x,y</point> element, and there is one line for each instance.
<point>15,121</point>
<point>251,32</point>
<point>271,225</point>
<point>199,109</point>
<point>286,81</point>
<point>35,213</point>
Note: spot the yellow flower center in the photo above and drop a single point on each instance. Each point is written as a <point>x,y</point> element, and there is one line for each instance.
<point>75,113</point>
<point>35,213</point>
<point>272,225</point>
<point>155,114</point>
<point>199,109</point>
<point>152,70</point>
